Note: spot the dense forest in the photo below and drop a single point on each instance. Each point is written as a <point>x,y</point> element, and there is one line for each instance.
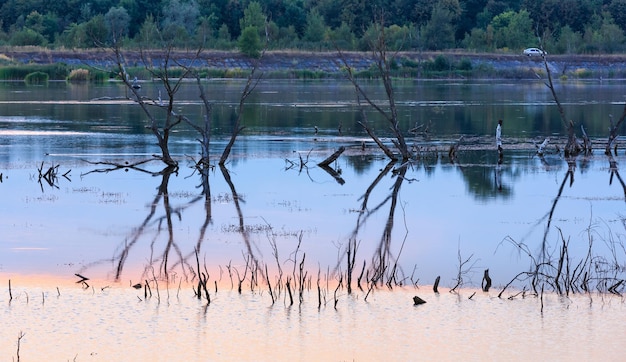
<point>559,26</point>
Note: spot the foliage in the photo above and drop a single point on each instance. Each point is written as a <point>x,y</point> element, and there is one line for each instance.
<point>36,78</point>
<point>78,75</point>
<point>438,33</point>
<point>27,37</point>
<point>563,27</point>
<point>20,72</point>
<point>181,15</point>
<point>250,42</point>
<point>117,23</point>
<point>86,75</point>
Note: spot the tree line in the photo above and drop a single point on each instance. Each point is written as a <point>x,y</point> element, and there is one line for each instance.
<point>560,26</point>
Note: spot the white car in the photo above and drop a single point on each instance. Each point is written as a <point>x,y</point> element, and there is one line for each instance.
<point>534,51</point>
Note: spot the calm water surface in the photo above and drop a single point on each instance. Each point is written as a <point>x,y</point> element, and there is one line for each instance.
<point>120,227</point>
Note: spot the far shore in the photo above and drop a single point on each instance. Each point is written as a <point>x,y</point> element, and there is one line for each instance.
<point>508,65</point>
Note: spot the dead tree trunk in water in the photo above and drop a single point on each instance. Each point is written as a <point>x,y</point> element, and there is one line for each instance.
<point>251,83</point>
<point>613,133</point>
<point>572,148</point>
<point>383,63</point>
<point>161,131</point>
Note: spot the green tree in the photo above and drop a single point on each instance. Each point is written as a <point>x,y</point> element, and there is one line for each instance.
<point>469,14</point>
<point>438,33</point>
<point>138,10</point>
<point>617,9</point>
<point>181,15</point>
<point>27,36</point>
<point>250,42</point>
<point>89,34</point>
<point>513,30</point>
<point>295,15</point>
<point>569,41</point>
<point>224,38</point>
<point>611,36</point>
<point>34,21</point>
<point>519,33</point>
<point>287,37</point>
<point>478,40</point>
<point>343,37</point>
<point>148,35</point>
<point>117,22</point>
<point>315,27</point>
<point>253,17</point>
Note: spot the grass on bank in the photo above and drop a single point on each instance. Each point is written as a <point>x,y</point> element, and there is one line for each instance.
<point>402,67</point>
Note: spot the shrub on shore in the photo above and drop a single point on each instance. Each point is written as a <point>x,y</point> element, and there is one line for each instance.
<point>19,72</point>
<point>36,78</point>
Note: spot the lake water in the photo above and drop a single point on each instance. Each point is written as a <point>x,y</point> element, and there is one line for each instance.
<point>273,210</point>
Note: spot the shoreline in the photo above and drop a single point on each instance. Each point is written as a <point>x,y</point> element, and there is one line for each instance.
<point>506,65</point>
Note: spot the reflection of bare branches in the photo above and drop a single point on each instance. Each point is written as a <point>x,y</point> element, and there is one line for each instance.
<point>114,166</point>
<point>242,227</point>
<point>50,176</point>
<point>613,169</point>
<point>167,220</point>
<point>302,164</point>
<point>384,265</point>
<point>138,232</point>
<point>568,175</point>
<point>325,165</point>
<point>364,213</point>
<point>383,255</point>
<point>335,174</point>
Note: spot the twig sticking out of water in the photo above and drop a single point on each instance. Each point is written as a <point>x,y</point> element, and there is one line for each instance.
<point>301,280</point>
<point>19,340</point>
<point>288,286</point>
<point>351,260</point>
<point>461,271</point>
<point>486,284</point>
<point>339,285</point>
<point>332,157</point>
<point>319,290</point>
<point>10,293</point>
<point>147,290</point>
<point>269,285</point>
<point>358,281</point>
<point>203,278</point>
<point>564,276</point>
<point>436,285</point>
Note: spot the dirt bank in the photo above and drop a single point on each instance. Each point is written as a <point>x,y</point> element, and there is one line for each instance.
<point>599,65</point>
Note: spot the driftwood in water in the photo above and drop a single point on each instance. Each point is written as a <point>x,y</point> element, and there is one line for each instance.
<point>486,284</point>
<point>332,157</point>
<point>325,165</point>
<point>417,300</point>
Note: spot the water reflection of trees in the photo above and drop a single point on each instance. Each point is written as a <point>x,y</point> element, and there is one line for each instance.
<point>383,267</point>
<point>171,258</point>
<point>553,267</point>
<point>487,180</point>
